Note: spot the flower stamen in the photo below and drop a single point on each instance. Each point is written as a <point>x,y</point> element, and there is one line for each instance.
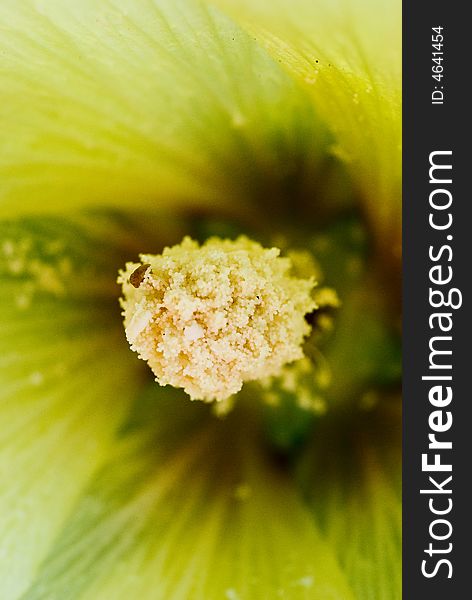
<point>208,318</point>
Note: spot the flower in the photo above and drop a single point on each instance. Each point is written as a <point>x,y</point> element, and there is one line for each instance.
<point>126,126</point>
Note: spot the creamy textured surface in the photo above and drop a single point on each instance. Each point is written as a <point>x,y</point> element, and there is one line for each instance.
<point>207,318</point>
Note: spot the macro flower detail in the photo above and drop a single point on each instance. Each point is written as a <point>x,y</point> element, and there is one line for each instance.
<point>207,134</point>
<point>209,318</point>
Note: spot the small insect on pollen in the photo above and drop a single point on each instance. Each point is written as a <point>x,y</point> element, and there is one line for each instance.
<point>137,276</point>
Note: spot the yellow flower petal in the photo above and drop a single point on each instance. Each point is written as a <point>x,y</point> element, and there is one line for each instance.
<point>62,393</point>
<point>347,53</point>
<point>148,103</point>
<point>189,507</point>
<point>353,480</point>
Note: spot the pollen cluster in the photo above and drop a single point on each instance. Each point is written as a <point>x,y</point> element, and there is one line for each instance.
<point>208,318</point>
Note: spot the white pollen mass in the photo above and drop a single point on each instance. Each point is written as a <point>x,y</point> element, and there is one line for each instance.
<point>208,318</point>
